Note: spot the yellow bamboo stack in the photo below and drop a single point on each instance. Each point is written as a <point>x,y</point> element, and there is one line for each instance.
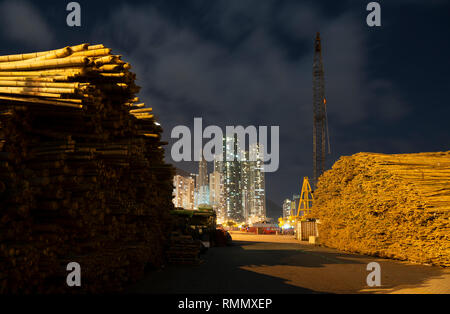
<point>82,172</point>
<point>395,206</point>
<point>53,76</point>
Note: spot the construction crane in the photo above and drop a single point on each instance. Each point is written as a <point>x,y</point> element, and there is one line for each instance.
<point>320,120</point>
<point>321,137</point>
<point>306,198</point>
<point>305,204</point>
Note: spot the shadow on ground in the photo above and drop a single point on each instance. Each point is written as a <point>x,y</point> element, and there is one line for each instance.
<point>278,268</point>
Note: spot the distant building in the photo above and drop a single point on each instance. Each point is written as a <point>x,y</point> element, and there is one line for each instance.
<point>231,171</point>
<point>257,187</point>
<point>287,207</point>
<point>246,187</point>
<point>202,183</point>
<point>216,194</point>
<point>295,202</point>
<point>294,206</point>
<point>243,181</point>
<point>194,177</point>
<point>202,173</point>
<point>184,189</point>
<point>203,196</point>
<point>235,189</point>
<point>218,164</point>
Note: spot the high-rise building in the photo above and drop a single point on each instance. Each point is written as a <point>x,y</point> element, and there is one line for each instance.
<point>194,177</point>
<point>202,173</point>
<point>293,208</point>
<point>231,171</point>
<point>202,183</point>
<point>287,206</point>
<point>243,181</point>
<point>257,189</point>
<point>245,184</point>
<point>183,192</point>
<point>218,163</point>
<point>203,196</point>
<point>295,201</point>
<point>216,194</point>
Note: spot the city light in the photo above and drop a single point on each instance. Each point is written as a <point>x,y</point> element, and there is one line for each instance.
<point>235,189</point>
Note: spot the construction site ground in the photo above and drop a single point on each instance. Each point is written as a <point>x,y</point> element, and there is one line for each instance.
<point>259,264</point>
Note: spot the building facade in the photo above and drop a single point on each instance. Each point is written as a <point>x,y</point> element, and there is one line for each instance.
<point>231,171</point>
<point>203,189</point>
<point>235,189</point>
<point>257,187</point>
<point>183,192</point>
<point>216,194</point>
<point>287,208</point>
<point>246,194</point>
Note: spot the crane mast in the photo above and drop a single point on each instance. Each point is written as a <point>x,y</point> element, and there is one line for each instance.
<point>320,123</point>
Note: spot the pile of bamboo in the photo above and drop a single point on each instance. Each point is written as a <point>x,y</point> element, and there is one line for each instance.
<point>183,249</point>
<point>82,172</point>
<point>395,206</point>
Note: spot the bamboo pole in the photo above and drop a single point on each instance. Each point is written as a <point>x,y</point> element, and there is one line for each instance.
<point>31,83</point>
<point>62,102</point>
<point>60,53</point>
<point>45,64</point>
<point>93,53</point>
<point>52,73</point>
<point>141,110</point>
<point>29,93</point>
<point>33,79</point>
<point>48,90</point>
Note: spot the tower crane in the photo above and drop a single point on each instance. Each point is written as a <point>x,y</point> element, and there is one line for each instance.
<point>321,137</point>
<point>320,120</point>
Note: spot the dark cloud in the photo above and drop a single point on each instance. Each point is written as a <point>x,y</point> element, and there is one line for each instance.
<point>185,74</point>
<point>250,62</point>
<point>22,22</point>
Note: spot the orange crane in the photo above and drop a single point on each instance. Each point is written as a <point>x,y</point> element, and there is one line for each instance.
<point>305,205</point>
<point>306,198</point>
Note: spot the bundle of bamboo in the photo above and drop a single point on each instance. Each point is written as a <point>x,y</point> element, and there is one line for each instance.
<point>183,249</point>
<point>71,76</point>
<point>82,172</point>
<point>395,206</point>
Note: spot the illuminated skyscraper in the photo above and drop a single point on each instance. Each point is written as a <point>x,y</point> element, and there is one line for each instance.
<point>202,173</point>
<point>257,189</point>
<point>246,194</point>
<point>216,194</point>
<point>287,205</point>
<point>202,183</point>
<point>231,171</point>
<point>183,192</point>
<point>295,202</point>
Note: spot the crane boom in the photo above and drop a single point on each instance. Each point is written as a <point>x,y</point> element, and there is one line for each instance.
<point>320,123</point>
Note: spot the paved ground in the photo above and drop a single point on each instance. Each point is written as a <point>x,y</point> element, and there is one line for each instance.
<point>280,264</point>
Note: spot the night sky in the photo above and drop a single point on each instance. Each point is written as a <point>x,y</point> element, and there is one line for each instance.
<point>249,62</point>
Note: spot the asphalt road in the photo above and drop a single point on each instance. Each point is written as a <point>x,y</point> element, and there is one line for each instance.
<point>279,264</point>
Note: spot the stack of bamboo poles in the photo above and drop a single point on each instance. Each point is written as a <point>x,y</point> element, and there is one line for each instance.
<point>395,206</point>
<point>82,172</point>
<point>183,249</point>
